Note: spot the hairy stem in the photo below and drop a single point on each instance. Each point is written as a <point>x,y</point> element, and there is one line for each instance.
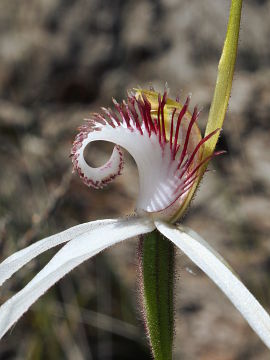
<point>156,261</point>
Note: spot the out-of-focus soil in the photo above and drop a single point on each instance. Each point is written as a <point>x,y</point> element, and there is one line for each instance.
<point>59,61</point>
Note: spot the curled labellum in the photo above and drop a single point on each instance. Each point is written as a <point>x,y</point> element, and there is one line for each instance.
<point>164,140</point>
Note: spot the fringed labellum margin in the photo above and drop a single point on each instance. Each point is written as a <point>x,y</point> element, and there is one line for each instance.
<point>162,137</point>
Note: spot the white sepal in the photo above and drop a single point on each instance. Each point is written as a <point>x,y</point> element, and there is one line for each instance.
<point>17,260</point>
<point>70,256</point>
<point>216,268</point>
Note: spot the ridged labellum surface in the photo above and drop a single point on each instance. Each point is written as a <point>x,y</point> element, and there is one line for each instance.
<point>163,139</point>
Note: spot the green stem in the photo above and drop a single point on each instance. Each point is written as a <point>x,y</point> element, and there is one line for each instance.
<point>221,94</point>
<point>156,259</point>
<point>225,76</point>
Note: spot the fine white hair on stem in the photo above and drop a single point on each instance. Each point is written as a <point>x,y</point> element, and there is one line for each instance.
<point>217,269</point>
<point>70,256</point>
<point>20,258</point>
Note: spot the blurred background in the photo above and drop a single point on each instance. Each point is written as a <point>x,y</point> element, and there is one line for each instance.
<point>61,60</point>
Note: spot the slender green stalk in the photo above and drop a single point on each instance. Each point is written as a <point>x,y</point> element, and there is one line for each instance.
<point>156,255</point>
<point>225,76</point>
<point>222,92</point>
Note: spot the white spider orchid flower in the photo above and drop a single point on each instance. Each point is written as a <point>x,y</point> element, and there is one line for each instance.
<point>167,146</point>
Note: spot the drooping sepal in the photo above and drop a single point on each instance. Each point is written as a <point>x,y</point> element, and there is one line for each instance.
<point>79,249</point>
<point>212,263</point>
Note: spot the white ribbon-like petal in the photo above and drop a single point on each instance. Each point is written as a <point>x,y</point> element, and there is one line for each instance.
<point>17,260</point>
<point>71,255</point>
<point>216,268</point>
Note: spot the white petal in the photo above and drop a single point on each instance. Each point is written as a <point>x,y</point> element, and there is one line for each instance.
<point>217,269</point>
<point>70,256</point>
<point>17,260</point>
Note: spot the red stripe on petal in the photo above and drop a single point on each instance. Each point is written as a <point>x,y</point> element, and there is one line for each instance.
<point>191,123</point>
<point>179,120</point>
